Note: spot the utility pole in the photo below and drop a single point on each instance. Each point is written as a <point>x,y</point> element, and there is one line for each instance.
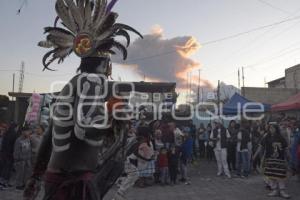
<point>13,84</point>
<point>199,83</point>
<point>190,85</point>
<point>21,79</point>
<point>239,79</point>
<point>187,88</point>
<point>243,76</point>
<point>265,82</point>
<point>218,96</point>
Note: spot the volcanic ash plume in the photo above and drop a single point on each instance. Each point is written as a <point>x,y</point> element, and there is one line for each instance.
<point>163,59</point>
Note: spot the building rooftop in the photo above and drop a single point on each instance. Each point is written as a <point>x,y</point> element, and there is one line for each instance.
<point>143,87</point>
<point>277,80</point>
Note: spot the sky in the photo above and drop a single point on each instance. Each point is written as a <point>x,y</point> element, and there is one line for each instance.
<point>167,25</point>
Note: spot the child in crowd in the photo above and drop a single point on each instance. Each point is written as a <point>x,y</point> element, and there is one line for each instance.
<point>173,164</point>
<point>185,156</point>
<point>163,166</point>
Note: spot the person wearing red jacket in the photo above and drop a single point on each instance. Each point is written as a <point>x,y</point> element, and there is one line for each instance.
<point>163,165</point>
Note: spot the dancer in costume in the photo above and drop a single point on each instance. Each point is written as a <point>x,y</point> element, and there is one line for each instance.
<point>82,153</point>
<point>276,159</point>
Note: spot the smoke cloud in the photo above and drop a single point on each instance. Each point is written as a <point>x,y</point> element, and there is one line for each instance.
<point>167,60</point>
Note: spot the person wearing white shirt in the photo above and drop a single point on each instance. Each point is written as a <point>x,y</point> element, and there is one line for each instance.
<point>219,136</point>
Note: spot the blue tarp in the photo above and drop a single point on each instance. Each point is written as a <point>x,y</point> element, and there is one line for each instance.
<point>237,103</point>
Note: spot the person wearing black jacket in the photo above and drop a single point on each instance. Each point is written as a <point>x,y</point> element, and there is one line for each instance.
<point>243,139</point>
<point>232,142</point>
<point>173,164</point>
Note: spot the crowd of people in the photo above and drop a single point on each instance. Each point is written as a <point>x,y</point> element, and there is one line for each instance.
<point>18,149</point>
<point>241,149</point>
<point>167,148</point>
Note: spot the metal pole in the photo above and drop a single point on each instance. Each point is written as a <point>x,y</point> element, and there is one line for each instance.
<point>199,82</point>
<point>218,93</point>
<point>239,79</point>
<point>187,88</point>
<point>13,85</point>
<point>243,76</point>
<point>190,84</point>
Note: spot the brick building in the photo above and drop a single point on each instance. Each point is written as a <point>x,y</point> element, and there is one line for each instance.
<point>278,90</point>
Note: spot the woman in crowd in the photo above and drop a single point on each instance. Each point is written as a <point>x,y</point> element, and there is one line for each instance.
<point>295,149</point>
<point>210,145</point>
<point>202,138</point>
<point>243,153</point>
<point>36,140</point>
<point>257,134</point>
<point>275,164</point>
<point>146,163</point>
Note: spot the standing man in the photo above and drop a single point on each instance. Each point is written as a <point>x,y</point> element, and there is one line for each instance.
<point>22,158</point>
<point>220,136</point>
<point>232,143</point>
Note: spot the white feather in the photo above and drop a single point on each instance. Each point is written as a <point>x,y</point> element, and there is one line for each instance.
<point>64,14</point>
<point>46,44</point>
<point>75,13</point>
<point>101,16</point>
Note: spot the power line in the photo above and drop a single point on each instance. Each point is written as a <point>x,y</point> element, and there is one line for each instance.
<point>274,7</point>
<point>220,39</point>
<point>8,70</point>
<point>272,57</point>
<point>251,30</point>
<point>245,48</point>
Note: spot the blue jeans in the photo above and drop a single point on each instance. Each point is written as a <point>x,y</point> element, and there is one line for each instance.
<point>242,163</point>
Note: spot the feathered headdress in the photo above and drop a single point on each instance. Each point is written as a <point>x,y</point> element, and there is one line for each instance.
<point>89,29</point>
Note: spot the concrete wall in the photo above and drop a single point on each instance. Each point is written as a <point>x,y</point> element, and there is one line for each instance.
<point>268,95</point>
<point>292,77</point>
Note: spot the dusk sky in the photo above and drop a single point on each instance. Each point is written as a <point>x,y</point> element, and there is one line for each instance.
<point>264,53</point>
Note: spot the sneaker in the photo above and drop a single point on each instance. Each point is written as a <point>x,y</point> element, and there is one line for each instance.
<point>284,195</point>
<point>274,193</point>
<point>187,183</point>
<point>4,187</point>
<point>20,187</point>
<point>219,174</point>
<point>182,180</point>
<point>119,196</point>
<point>268,187</point>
